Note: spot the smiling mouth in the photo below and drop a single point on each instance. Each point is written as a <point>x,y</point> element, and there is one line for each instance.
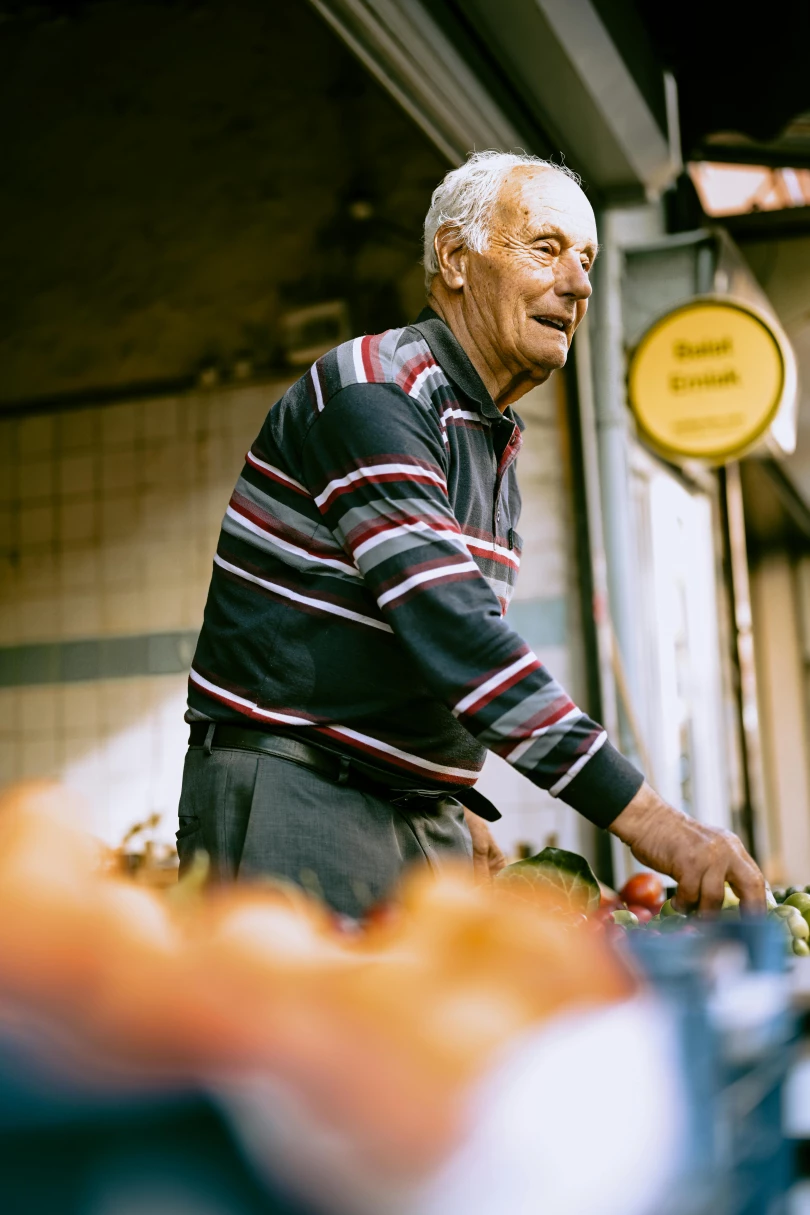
<point>560,326</point>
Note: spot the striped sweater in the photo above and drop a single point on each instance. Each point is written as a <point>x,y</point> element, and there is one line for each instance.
<point>363,569</point>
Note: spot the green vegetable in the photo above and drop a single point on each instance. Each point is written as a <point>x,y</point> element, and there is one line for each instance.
<point>560,872</point>
<point>786,911</point>
<point>801,948</point>
<point>799,929</point>
<point>627,919</point>
<point>800,899</point>
<point>668,910</point>
<point>730,899</point>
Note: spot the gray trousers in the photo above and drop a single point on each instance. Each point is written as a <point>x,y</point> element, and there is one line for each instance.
<point>257,816</point>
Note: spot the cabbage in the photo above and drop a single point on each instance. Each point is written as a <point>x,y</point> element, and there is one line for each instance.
<point>565,876</point>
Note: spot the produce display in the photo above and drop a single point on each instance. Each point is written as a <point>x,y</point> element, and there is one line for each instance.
<point>641,903</point>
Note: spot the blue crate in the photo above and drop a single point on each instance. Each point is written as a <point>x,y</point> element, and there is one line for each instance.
<point>727,990</point>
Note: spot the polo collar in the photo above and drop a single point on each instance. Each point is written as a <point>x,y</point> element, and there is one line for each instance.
<point>455,363</point>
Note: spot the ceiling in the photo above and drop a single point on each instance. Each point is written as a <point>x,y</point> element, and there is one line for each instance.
<point>175,176</point>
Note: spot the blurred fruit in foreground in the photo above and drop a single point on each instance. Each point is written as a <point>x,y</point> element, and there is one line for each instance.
<point>381,1034</point>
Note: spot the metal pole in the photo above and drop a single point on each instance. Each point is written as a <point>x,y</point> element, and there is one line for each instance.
<point>613,437</point>
<point>617,523</point>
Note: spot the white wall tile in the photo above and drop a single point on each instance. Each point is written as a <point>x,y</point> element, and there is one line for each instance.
<point>36,524</point>
<point>78,520</point>
<point>35,435</point>
<point>38,620</point>
<point>80,709</point>
<point>120,424</point>
<point>119,518</point>
<point>9,758</point>
<point>79,567</point>
<point>38,709</point>
<point>159,418</point>
<point>35,479</point>
<point>9,621</point>
<point>37,758</point>
<point>77,474</point>
<point>122,611</point>
<point>77,429</point>
<point>8,526</point>
<point>9,712</point>
<point>165,609</point>
<point>122,565</point>
<point>80,614</point>
<point>120,471</point>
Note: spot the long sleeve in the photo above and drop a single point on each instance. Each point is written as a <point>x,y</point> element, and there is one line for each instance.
<point>376,466</point>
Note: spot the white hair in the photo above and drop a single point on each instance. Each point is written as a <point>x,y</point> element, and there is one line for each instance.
<point>466,197</point>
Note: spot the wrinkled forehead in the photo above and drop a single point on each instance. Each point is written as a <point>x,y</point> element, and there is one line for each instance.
<point>533,197</point>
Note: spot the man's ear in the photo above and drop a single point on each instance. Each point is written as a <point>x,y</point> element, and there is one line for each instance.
<point>451,254</point>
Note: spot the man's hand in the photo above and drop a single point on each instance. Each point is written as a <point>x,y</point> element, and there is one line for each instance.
<point>487,856</point>
<point>701,859</point>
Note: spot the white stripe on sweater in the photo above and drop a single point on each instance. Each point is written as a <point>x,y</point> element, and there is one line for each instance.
<point>408,472</point>
<point>386,749</point>
<point>595,746</point>
<point>520,750</point>
<point>286,593</point>
<point>276,472</point>
<point>421,527</point>
<point>495,681</point>
<point>335,563</point>
<point>316,383</point>
<point>444,571</point>
<point>357,357</point>
<point>283,718</point>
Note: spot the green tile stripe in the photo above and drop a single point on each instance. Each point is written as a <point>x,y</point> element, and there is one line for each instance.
<point>96,658</point>
<point>540,622</point>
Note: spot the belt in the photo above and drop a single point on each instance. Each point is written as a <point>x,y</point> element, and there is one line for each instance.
<point>338,768</point>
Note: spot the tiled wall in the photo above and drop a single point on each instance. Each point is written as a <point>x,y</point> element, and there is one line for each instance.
<point>108,522</point>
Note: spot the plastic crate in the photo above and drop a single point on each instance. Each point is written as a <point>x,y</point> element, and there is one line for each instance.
<point>726,987</point>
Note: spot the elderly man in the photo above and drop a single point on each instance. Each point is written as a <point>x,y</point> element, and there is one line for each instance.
<point>355,662</point>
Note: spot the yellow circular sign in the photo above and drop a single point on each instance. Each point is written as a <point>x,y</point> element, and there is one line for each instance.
<point>707,380</point>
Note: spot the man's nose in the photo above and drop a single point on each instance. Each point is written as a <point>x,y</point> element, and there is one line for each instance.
<point>572,279</point>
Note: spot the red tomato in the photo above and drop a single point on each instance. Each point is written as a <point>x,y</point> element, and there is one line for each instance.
<point>645,890</point>
<point>609,898</point>
<point>643,914</point>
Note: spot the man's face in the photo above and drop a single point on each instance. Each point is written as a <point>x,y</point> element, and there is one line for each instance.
<point>529,290</point>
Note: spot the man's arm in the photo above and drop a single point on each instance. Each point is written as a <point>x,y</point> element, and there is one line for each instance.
<point>375,464</point>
